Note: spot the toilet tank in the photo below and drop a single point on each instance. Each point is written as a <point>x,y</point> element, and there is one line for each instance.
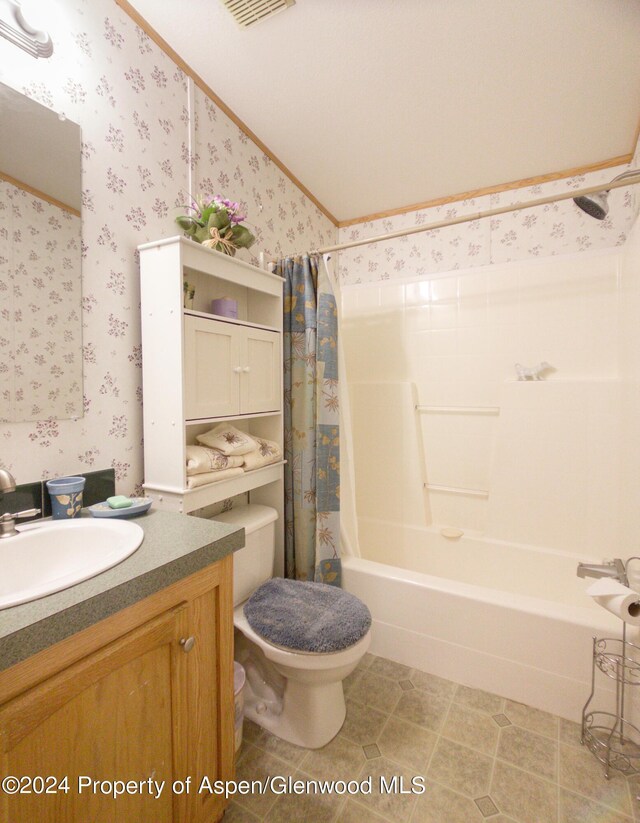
<point>253,564</point>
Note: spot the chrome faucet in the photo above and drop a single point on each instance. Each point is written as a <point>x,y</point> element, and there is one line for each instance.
<point>7,482</point>
<point>8,520</point>
<point>614,569</point>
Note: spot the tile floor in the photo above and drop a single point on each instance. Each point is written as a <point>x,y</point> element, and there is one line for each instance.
<point>483,758</point>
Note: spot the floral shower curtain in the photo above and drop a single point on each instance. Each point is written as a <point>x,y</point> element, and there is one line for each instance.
<point>312,436</point>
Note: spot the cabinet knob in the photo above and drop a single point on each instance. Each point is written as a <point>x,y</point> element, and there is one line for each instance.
<point>237,369</point>
<point>246,369</point>
<point>187,643</point>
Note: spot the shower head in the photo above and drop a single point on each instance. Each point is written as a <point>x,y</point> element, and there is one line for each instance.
<point>596,205</point>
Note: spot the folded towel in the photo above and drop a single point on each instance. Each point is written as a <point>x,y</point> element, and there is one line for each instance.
<point>211,477</point>
<point>227,439</point>
<point>267,452</point>
<point>202,459</point>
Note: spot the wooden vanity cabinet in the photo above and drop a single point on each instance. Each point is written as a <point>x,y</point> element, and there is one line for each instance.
<point>146,693</point>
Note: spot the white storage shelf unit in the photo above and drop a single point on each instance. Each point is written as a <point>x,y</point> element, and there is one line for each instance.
<point>200,369</point>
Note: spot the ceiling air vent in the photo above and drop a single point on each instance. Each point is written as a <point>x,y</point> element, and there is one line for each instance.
<point>248,12</point>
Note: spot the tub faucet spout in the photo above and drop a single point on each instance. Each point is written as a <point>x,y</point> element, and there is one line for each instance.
<point>614,569</point>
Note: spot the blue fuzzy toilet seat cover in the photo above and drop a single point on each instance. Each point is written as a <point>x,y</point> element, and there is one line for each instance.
<point>307,617</point>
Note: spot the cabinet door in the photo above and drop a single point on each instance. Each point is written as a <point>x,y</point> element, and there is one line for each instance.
<point>260,379</point>
<point>211,368</point>
<point>118,714</point>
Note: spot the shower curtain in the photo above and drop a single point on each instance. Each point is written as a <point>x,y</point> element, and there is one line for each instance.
<point>311,412</point>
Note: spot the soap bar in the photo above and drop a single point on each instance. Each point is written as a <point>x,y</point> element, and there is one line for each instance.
<point>119,502</point>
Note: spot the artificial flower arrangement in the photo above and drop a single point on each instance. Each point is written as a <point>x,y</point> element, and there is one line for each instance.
<point>215,223</point>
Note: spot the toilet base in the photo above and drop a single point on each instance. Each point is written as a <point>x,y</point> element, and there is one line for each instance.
<point>310,716</point>
<point>298,698</point>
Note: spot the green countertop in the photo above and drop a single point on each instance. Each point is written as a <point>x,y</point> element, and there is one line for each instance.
<point>174,547</point>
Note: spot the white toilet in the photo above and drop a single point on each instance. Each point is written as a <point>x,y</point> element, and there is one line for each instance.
<point>295,694</point>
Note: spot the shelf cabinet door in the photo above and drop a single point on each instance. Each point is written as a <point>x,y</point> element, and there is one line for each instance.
<point>211,368</point>
<point>260,379</point>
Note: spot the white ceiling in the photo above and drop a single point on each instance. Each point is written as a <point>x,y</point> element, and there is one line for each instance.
<point>378,104</point>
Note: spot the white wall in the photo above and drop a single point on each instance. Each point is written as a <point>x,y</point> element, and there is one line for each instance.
<point>549,455</point>
<point>629,356</point>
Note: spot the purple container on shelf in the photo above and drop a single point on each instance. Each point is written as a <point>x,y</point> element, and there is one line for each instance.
<point>225,307</point>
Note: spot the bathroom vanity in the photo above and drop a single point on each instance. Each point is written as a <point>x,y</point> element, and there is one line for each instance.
<point>125,677</point>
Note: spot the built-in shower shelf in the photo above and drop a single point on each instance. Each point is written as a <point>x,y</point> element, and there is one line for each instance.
<point>434,487</point>
<point>489,410</point>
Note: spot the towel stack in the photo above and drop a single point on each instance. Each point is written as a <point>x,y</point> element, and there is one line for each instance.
<point>226,452</point>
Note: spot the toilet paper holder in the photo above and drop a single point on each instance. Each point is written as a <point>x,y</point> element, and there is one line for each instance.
<point>610,737</point>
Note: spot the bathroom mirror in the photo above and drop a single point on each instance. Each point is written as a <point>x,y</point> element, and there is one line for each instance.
<point>40,262</point>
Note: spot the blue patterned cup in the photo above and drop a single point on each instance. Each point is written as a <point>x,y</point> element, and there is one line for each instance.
<point>66,496</point>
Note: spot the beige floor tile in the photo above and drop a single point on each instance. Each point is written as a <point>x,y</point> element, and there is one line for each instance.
<point>255,764</point>
<point>338,760</point>
<point>406,744</point>
<point>394,805</point>
<point>474,729</point>
<point>389,668</point>
<point>479,700</point>
<point>432,683</point>
<point>379,692</point>
<point>349,682</point>
<point>309,807</point>
<point>235,813</point>
<point>569,732</point>
<point>441,805</point>
<point>461,769</point>
<point>366,661</point>
<point>363,724</point>
<point>529,751</point>
<point>288,752</point>
<point>575,809</point>
<point>353,678</point>
<point>353,812</point>
<point>581,773</point>
<point>421,708</point>
<point>251,731</point>
<point>532,719</point>
<point>634,791</point>
<point>520,795</point>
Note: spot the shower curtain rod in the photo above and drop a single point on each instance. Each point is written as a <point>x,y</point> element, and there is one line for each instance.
<point>467,218</point>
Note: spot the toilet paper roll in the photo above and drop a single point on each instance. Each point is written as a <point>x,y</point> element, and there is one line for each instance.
<point>617,599</point>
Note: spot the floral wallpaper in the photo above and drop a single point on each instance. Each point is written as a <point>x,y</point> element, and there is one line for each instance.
<point>556,228</point>
<point>40,321</point>
<point>131,102</point>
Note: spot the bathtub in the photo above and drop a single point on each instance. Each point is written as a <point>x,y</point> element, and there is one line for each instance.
<point>510,619</point>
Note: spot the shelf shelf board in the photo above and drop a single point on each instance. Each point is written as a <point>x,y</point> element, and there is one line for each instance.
<point>188,500</point>
<point>198,421</point>
<point>235,321</point>
<point>198,258</point>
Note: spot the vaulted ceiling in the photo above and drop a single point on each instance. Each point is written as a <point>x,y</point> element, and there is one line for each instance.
<point>378,104</point>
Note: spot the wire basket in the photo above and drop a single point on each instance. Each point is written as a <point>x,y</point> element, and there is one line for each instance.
<point>618,659</point>
<point>613,740</point>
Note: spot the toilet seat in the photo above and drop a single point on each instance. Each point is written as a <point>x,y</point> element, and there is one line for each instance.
<point>307,618</point>
<point>311,661</point>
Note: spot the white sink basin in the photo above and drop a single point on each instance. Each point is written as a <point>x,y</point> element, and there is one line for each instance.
<point>51,555</point>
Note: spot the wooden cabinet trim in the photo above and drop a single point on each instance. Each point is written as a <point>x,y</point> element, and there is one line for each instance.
<point>44,664</point>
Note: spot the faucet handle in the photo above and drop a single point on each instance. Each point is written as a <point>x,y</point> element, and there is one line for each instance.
<point>19,515</point>
<point>27,513</point>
